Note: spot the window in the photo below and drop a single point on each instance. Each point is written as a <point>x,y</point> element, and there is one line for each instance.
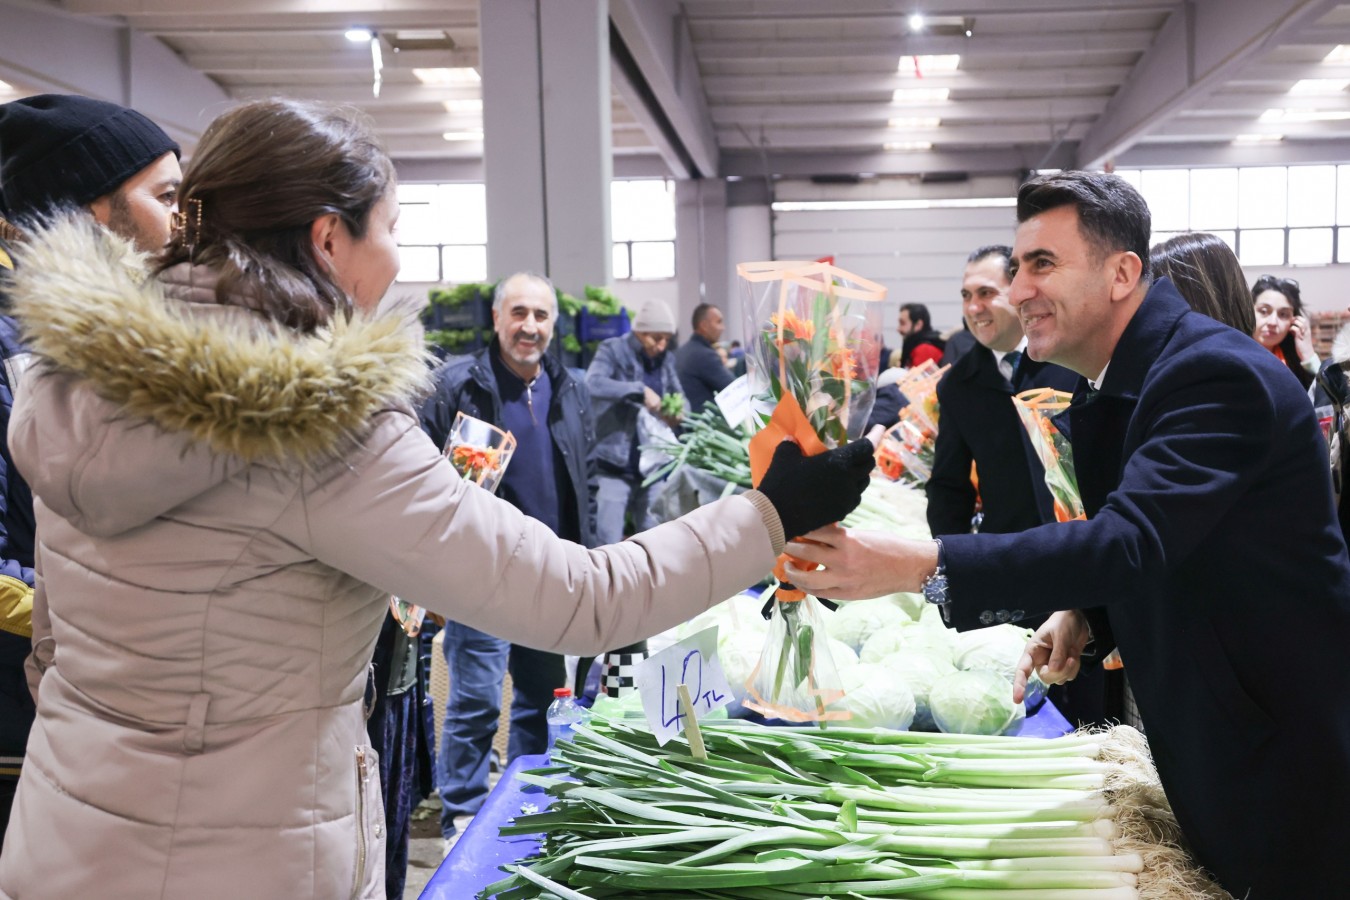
<point>442,231</point>
<point>643,221</point>
<point>1269,215</point>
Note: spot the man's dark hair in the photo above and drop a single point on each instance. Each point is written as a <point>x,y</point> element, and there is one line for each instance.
<point>700,313</point>
<point>1000,250</point>
<point>919,312</point>
<point>1112,216</point>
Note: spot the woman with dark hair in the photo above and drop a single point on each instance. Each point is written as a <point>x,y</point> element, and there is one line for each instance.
<point>1282,328</point>
<point>230,484</point>
<point>1207,273</point>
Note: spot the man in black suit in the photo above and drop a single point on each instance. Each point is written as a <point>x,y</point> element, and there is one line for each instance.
<point>980,423</point>
<point>1191,446</point>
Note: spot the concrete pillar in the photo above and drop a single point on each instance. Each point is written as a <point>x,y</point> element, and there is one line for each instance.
<point>546,138</point>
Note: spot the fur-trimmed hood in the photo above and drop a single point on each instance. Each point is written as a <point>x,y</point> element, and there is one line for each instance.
<point>242,386</point>
<point>222,384</point>
<point>1340,347</point>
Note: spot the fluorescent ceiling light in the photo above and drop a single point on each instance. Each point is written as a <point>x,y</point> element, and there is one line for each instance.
<point>467,105</point>
<point>919,96</point>
<point>446,76</point>
<point>908,145</point>
<point>1340,54</point>
<point>1305,115</point>
<point>1258,138</point>
<point>359,35</point>
<point>945,62</point>
<point>915,122</point>
<point>463,135</point>
<point>1320,86</point>
<point>916,22</point>
<point>855,205</point>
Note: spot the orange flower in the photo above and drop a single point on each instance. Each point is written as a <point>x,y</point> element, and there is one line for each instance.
<point>843,364</point>
<point>789,321</point>
<point>474,462</point>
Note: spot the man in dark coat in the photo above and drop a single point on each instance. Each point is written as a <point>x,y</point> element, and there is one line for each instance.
<point>702,372</point>
<point>980,425</point>
<point>1191,446</point>
<point>921,341</point>
<point>516,385</point>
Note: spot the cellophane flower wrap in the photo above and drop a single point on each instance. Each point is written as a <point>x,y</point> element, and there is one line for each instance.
<point>813,347</point>
<point>1036,408</point>
<point>480,452</point>
<point>906,451</point>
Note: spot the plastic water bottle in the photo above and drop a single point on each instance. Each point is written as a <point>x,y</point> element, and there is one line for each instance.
<point>563,713</point>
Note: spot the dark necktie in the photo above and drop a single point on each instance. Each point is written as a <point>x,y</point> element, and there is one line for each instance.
<point>1013,358</point>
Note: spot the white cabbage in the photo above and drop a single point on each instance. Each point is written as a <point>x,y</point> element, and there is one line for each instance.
<point>739,613</point>
<point>997,649</point>
<point>919,670</point>
<point>842,655</point>
<point>876,699</point>
<point>853,623</point>
<point>974,703</point>
<point>739,652</point>
<point>883,644</point>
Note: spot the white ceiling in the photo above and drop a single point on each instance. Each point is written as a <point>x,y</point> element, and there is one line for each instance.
<point>791,87</point>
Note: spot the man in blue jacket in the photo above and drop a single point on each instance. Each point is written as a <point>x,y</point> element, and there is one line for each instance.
<point>59,151</point>
<point>1192,445</point>
<point>516,385</point>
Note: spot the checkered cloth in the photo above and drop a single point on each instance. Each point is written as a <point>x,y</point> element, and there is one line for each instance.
<point>617,671</point>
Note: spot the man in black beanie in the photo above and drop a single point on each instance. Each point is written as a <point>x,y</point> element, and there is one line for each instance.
<point>59,152</point>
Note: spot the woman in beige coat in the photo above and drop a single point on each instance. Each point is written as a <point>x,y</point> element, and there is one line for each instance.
<point>229,485</point>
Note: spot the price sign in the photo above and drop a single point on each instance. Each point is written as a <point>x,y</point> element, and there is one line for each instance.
<point>691,662</point>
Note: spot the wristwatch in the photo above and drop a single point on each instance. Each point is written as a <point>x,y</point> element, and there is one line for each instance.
<point>934,587</point>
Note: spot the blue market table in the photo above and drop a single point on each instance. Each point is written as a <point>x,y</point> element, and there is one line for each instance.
<point>478,856</point>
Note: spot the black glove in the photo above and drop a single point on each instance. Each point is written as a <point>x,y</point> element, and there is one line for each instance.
<point>812,491</point>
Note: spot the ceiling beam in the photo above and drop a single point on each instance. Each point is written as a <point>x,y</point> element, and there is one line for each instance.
<point>725,87</point>
<point>1286,73</point>
<point>357,92</point>
<point>1207,128</point>
<point>1000,160</point>
<point>336,61</point>
<point>839,9</point>
<point>1226,153</point>
<point>431,169</point>
<point>272,20</point>
<point>804,138</point>
<point>1196,49</point>
<point>657,37</point>
<point>59,53</point>
<point>984,46</point>
<point>304,8</point>
<point>1043,110</point>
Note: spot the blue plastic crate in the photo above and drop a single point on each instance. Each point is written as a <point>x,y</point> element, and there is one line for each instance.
<point>600,328</point>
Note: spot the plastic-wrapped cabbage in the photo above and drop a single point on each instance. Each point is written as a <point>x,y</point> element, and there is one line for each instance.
<point>998,649</point>
<point>912,604</point>
<point>919,670</point>
<point>974,703</point>
<point>739,613</point>
<point>853,623</point>
<point>843,655</point>
<point>875,699</point>
<point>883,644</point>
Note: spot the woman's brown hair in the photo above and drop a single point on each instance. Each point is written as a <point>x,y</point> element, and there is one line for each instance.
<point>1208,275</point>
<point>260,176</point>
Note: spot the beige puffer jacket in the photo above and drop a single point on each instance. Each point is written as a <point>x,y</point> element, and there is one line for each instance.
<point>223,510</point>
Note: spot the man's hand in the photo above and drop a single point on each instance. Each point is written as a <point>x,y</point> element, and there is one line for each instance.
<point>652,400</point>
<point>1055,651</point>
<point>860,565</point>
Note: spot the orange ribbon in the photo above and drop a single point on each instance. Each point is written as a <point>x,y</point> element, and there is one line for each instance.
<point>787,421</point>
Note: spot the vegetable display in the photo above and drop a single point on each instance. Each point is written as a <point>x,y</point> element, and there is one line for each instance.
<point>710,444</point>
<point>793,813</point>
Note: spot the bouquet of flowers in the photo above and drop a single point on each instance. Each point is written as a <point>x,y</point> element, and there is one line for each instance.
<point>813,350</point>
<point>906,450</point>
<point>479,452</point>
<point>1036,408</point>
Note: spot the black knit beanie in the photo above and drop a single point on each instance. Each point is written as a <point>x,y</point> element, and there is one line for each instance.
<point>60,149</point>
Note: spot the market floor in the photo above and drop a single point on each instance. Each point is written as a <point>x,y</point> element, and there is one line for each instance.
<point>426,847</point>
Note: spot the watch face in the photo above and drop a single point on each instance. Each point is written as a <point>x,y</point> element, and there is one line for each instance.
<point>935,589</point>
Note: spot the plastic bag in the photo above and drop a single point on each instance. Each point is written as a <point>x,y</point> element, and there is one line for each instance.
<point>796,679</point>
<point>1036,408</point>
